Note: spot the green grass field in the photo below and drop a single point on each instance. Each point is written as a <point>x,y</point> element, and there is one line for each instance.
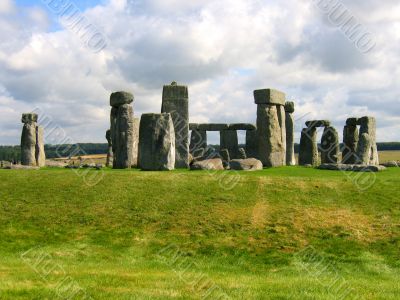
<point>284,233</point>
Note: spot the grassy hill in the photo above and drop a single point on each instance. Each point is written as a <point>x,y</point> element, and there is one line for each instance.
<point>285,233</point>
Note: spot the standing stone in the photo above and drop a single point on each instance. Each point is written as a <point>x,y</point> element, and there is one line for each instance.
<point>251,143</point>
<point>290,157</point>
<point>350,141</point>
<point>229,140</point>
<point>364,149</point>
<point>135,146</point>
<point>225,158</point>
<point>308,147</point>
<point>242,153</point>
<point>156,142</point>
<point>122,129</point>
<point>368,126</point>
<point>40,154</point>
<point>271,127</point>
<point>271,148</point>
<point>28,140</point>
<point>109,151</point>
<point>175,101</point>
<point>198,142</point>
<point>330,149</point>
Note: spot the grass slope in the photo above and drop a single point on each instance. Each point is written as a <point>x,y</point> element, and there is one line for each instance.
<point>285,233</point>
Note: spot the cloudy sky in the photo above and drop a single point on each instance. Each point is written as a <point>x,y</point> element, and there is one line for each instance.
<point>221,49</point>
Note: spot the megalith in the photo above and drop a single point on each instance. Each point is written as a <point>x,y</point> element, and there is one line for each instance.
<point>367,152</point>
<point>350,141</point>
<point>135,146</point>
<point>271,127</point>
<point>175,100</point>
<point>330,148</point>
<point>251,143</point>
<point>308,154</point>
<point>289,124</point>
<point>122,129</point>
<point>198,141</point>
<point>156,142</point>
<point>32,144</point>
<point>229,141</point>
<point>109,149</point>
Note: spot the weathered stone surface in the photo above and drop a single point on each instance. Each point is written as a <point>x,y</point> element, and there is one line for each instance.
<point>198,142</point>
<point>113,131</point>
<point>251,143</point>
<point>21,167</point>
<point>271,135</point>
<point>40,154</point>
<point>242,126</point>
<point>208,164</point>
<point>135,146</point>
<point>29,118</point>
<point>213,127</point>
<point>225,155</point>
<point>318,123</point>
<point>352,121</point>
<point>308,147</point>
<point>249,164</point>
<point>193,126</point>
<point>120,98</point>
<point>109,151</point>
<point>176,102</point>
<point>269,96</point>
<point>351,167</point>
<point>350,141</point>
<point>391,164</point>
<point>225,158</point>
<point>364,149</point>
<point>330,149</point>
<point>368,126</point>
<point>156,142</point>
<point>122,137</point>
<point>290,157</point>
<point>229,141</point>
<point>28,144</point>
<point>289,107</point>
<point>242,153</point>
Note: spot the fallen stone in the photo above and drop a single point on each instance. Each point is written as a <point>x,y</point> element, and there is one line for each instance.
<point>21,167</point>
<point>351,168</point>
<point>249,164</point>
<point>208,164</point>
<point>269,96</point>
<point>120,98</point>
<point>391,164</point>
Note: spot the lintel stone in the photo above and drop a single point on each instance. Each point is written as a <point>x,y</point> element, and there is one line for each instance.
<point>213,127</point>
<point>242,126</point>
<point>269,96</point>
<point>120,98</point>
<point>318,123</point>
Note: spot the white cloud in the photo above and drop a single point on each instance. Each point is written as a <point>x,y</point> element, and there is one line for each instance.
<point>222,49</point>
<point>7,6</point>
